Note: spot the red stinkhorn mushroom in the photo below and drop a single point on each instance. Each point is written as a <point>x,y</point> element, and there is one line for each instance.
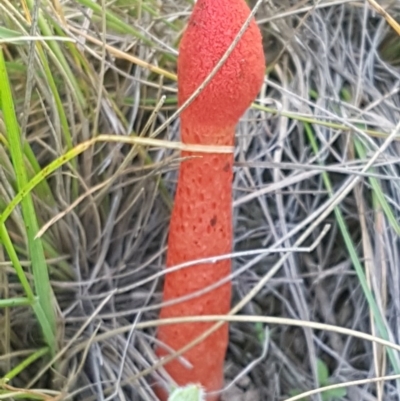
<point>201,222</point>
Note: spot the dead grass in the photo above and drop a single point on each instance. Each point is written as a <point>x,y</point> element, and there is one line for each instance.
<point>320,147</point>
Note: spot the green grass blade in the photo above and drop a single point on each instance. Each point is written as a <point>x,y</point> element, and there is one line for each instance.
<point>53,166</point>
<point>25,363</point>
<point>6,241</point>
<point>120,26</point>
<point>45,172</point>
<point>355,259</point>
<point>380,197</point>
<point>43,190</point>
<point>58,54</point>
<point>35,246</point>
<point>6,33</point>
<point>12,302</point>
<point>20,395</point>
<point>41,316</point>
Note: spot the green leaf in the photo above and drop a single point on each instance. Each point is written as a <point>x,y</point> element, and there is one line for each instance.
<point>191,392</point>
<point>336,393</point>
<point>293,393</point>
<point>322,372</point>
<point>260,332</point>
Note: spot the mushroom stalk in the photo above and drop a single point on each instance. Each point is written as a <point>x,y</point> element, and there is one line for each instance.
<point>201,221</point>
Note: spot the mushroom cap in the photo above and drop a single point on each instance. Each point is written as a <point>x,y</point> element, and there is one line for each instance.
<point>212,28</point>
